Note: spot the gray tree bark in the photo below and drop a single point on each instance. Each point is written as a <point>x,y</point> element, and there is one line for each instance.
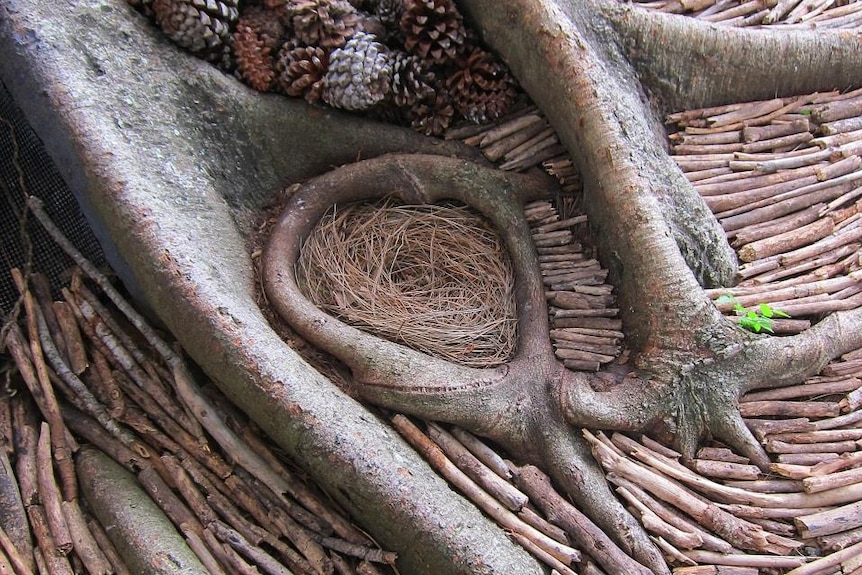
<point>170,158</point>
<point>596,67</point>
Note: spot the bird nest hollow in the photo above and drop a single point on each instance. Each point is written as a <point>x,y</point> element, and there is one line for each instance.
<point>436,278</point>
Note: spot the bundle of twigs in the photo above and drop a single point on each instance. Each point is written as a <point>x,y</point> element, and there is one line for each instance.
<point>585,329</point>
<point>785,13</point>
<point>784,179</point>
<point>521,140</point>
<point>520,499</point>
<point>722,511</point>
<point>105,408</point>
<point>435,278</point>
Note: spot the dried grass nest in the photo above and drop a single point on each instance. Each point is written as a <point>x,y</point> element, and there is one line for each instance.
<point>436,278</point>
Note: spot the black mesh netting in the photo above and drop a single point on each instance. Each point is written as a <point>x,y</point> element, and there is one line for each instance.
<point>26,169</point>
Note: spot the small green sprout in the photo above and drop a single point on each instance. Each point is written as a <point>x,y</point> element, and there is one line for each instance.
<point>756,320</point>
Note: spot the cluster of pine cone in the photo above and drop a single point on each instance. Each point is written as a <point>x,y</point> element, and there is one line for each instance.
<point>407,61</point>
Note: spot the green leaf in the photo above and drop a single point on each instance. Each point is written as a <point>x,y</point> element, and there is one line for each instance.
<point>756,323</point>
<point>726,298</point>
<point>765,310</point>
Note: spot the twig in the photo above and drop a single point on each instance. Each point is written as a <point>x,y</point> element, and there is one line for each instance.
<point>484,453</point>
<point>748,560</point>
<point>680,473</point>
<point>583,531</point>
<point>823,564</point>
<point>49,493</point>
<point>208,557</point>
<point>229,556</point>
<point>21,563</point>
<point>841,540</point>
<point>86,546</point>
<point>830,521</point>
<point>657,526</point>
<point>36,377</point>
<point>500,490</point>
<point>541,554</point>
<point>74,343</point>
<point>56,563</point>
<point>241,544</point>
<point>506,518</point>
<point>832,480</point>
<point>84,396</point>
<point>107,547</point>
<point>672,516</point>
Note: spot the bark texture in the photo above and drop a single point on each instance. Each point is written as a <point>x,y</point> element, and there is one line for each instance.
<point>142,533</point>
<point>169,157</point>
<point>213,152</point>
<point>655,233</point>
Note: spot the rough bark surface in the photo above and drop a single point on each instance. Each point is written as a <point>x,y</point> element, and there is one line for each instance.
<point>100,87</point>
<point>147,540</point>
<point>169,184</point>
<point>655,233</point>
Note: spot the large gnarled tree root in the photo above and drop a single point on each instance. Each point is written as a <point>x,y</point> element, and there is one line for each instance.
<point>532,405</point>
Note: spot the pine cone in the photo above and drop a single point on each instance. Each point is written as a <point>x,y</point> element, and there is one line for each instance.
<point>257,36</point>
<point>301,71</point>
<point>359,75</point>
<point>389,13</point>
<point>432,29</point>
<point>410,82</point>
<point>199,26</point>
<point>482,88</point>
<point>324,23</point>
<point>433,115</point>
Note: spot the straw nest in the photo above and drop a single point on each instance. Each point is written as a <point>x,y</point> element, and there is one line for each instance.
<point>434,277</point>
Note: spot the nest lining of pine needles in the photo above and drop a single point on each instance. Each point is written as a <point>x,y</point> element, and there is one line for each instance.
<point>435,278</point>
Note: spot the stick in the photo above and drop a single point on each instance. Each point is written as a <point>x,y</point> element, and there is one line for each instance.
<point>500,490</point>
<point>447,469</point>
<point>711,488</point>
<point>542,555</point>
<point>832,480</point>
<point>484,453</point>
<point>784,242</point>
<point>672,516</point>
<point>185,385</point>
<point>36,377</point>
<point>830,522</point>
<point>789,408</point>
<point>783,224</point>
<point>768,485</point>
<point>252,552</point>
<point>530,517</point>
<point>736,531</point>
<point>118,565</point>
<point>725,469</point>
<point>823,565</point>
<point>87,402</point>
<point>20,562</point>
<point>583,531</point>
<point>49,493</point>
<point>86,546</point>
<point>207,556</point>
<point>654,524</point>
<point>57,564</point>
<point>841,540</point>
<point>749,560</point>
